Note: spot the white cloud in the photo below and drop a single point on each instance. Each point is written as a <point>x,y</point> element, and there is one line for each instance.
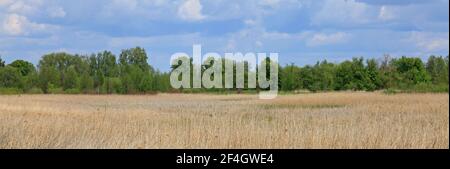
<point>271,3</point>
<point>437,44</point>
<point>156,2</point>
<point>126,4</point>
<point>125,7</point>
<point>386,14</point>
<point>24,7</point>
<point>132,9</point>
<point>15,25</point>
<point>191,10</point>
<point>20,6</point>
<point>430,42</point>
<point>343,11</point>
<point>250,22</point>
<point>56,12</point>
<point>5,2</point>
<point>320,39</point>
<point>259,43</point>
<point>284,3</point>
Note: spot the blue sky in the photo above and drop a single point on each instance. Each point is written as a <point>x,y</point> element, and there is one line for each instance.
<point>301,31</point>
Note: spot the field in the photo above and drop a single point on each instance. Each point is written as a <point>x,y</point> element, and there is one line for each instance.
<point>322,120</point>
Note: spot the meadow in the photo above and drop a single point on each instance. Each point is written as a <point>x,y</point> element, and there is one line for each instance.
<point>336,120</point>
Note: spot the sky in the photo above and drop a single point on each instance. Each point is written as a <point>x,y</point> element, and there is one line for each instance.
<point>301,31</point>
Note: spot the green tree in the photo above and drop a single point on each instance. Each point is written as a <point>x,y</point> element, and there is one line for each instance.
<point>48,76</point>
<point>2,62</point>
<point>10,77</point>
<point>290,78</point>
<point>146,84</point>
<point>135,56</point>
<point>344,76</point>
<point>353,75</point>
<point>28,74</point>
<point>307,78</point>
<point>411,71</point>
<point>324,76</point>
<point>133,67</point>
<point>388,75</point>
<point>131,80</point>
<point>61,62</point>
<point>102,68</point>
<point>86,83</point>
<point>374,74</point>
<point>107,64</point>
<point>70,81</point>
<point>24,67</point>
<point>268,64</point>
<point>116,85</point>
<point>437,68</point>
<point>161,81</point>
<point>446,67</point>
<point>29,81</point>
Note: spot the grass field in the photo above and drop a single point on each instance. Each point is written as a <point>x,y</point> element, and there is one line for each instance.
<point>323,120</point>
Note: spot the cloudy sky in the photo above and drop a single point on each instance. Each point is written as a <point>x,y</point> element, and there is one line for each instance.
<point>301,31</point>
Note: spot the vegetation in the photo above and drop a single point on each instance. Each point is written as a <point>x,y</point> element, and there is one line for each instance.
<point>336,120</point>
<point>402,74</point>
<point>98,73</point>
<point>315,120</point>
<point>130,73</point>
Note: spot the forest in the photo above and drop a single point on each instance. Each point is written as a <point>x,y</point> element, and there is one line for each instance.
<point>130,73</point>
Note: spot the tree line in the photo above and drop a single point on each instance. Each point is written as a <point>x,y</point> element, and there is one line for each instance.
<point>405,73</point>
<point>101,73</point>
<point>130,73</point>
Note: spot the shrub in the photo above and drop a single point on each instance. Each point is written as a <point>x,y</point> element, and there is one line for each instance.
<point>72,91</point>
<point>10,91</point>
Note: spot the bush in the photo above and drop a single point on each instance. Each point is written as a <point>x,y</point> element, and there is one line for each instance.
<point>420,88</point>
<point>10,77</point>
<point>429,88</point>
<point>34,90</point>
<point>392,91</point>
<point>10,91</point>
<point>58,90</point>
<point>72,91</point>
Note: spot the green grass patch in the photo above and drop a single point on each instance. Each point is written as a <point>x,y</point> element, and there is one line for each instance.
<point>420,88</point>
<point>299,106</point>
<point>10,91</point>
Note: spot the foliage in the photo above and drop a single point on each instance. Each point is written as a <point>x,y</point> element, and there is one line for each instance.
<point>2,62</point>
<point>10,77</point>
<point>130,73</point>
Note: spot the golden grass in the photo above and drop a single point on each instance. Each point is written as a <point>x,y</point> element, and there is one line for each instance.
<point>324,120</point>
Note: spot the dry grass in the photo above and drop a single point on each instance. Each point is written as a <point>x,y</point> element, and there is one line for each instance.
<point>328,120</point>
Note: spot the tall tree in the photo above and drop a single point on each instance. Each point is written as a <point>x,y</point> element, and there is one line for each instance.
<point>353,75</point>
<point>48,76</point>
<point>2,62</point>
<point>28,74</point>
<point>24,67</point>
<point>374,74</point>
<point>324,75</point>
<point>71,78</point>
<point>437,68</point>
<point>290,77</point>
<point>133,67</point>
<point>86,83</point>
<point>60,62</point>
<point>10,77</point>
<point>411,70</point>
<point>307,78</point>
<point>135,56</point>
